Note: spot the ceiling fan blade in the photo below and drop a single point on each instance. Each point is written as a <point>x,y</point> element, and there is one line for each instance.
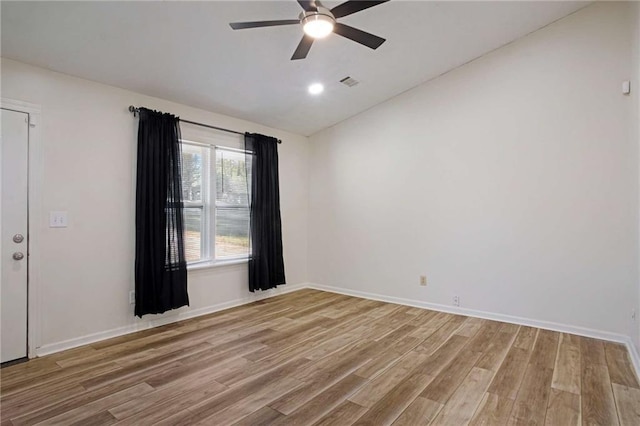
<point>353,6</point>
<point>303,48</point>
<point>358,36</point>
<point>258,24</point>
<point>308,5</point>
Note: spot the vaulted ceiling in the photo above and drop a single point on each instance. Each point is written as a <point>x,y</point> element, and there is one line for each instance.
<point>186,51</point>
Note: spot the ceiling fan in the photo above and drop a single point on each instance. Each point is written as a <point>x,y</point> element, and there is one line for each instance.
<point>317,21</point>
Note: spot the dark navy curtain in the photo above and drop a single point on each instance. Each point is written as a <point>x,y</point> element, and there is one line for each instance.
<point>266,263</point>
<point>161,267</point>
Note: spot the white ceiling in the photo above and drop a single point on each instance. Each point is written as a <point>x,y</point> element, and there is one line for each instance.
<point>186,52</point>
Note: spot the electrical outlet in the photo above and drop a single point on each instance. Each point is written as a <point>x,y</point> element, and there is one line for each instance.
<point>456,300</point>
<point>132,297</point>
<point>423,280</point>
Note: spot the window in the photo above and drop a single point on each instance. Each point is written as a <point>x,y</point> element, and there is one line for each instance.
<point>216,200</point>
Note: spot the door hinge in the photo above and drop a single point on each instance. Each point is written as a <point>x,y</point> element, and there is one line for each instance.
<point>32,121</point>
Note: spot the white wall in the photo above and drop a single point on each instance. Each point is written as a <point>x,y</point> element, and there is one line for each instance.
<point>635,114</point>
<point>88,145</point>
<point>511,182</point>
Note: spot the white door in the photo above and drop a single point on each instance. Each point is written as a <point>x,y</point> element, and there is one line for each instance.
<point>13,234</point>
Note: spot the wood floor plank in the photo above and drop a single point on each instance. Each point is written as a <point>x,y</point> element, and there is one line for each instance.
<point>394,402</point>
<point>331,300</point>
<point>545,349</point>
<point>592,351</point>
<point>441,357</point>
<point>363,348</point>
<point>620,368</point>
<point>396,334</point>
<point>320,382</point>
<point>531,403</point>
<point>198,388</point>
<point>211,366</point>
<point>421,411</point>
<point>121,350</point>
<point>304,347</point>
<point>265,416</point>
<point>439,337</point>
<point>344,414</point>
<point>460,408</point>
<point>47,385</point>
<point>525,338</point>
<point>253,401</point>
<point>272,384</point>
<point>424,316</point>
<point>375,389</point>
<point>470,326</point>
<point>103,418</point>
<point>509,328</point>
<point>389,355</point>
<point>496,351</point>
<point>434,321</point>
<point>628,404</point>
<point>323,403</point>
<point>29,404</point>
<point>566,374</point>
<point>99,407</point>
<point>149,412</point>
<point>330,346</point>
<point>389,408</point>
<point>25,371</point>
<point>597,403</point>
<point>493,410</point>
<point>507,380</point>
<point>448,380</point>
<point>327,359</point>
<point>563,409</point>
<point>54,407</point>
<point>111,376</point>
<point>484,337</point>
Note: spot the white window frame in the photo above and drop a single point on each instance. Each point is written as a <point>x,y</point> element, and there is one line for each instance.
<point>209,196</point>
<point>207,225</point>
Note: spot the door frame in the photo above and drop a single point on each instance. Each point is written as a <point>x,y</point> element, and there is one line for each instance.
<point>34,214</point>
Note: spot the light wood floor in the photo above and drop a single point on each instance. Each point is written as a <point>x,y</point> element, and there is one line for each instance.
<point>311,357</point>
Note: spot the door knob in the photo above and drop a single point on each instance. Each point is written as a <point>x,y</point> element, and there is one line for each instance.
<point>18,238</point>
<point>18,256</point>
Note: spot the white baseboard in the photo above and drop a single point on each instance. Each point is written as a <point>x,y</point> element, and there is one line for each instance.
<point>175,317</point>
<point>547,325</point>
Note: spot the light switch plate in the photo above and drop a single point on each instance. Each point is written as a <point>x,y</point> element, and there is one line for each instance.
<point>58,219</point>
<point>626,87</point>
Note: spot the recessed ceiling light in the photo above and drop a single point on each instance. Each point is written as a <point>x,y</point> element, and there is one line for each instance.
<point>316,88</point>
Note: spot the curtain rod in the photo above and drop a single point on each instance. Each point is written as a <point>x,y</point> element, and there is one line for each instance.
<point>136,110</point>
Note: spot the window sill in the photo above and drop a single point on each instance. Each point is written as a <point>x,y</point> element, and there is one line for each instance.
<point>208,265</point>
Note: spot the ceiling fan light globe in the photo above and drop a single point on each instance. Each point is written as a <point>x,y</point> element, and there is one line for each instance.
<point>317,26</point>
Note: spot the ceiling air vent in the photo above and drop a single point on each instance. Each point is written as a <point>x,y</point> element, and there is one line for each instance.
<point>348,81</point>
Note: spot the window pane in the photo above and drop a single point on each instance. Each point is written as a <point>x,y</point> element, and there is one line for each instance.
<point>231,178</point>
<point>232,205</point>
<point>232,232</point>
<point>192,171</point>
<point>193,233</point>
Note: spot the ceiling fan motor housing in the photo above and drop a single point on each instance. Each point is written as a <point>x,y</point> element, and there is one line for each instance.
<point>322,19</point>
